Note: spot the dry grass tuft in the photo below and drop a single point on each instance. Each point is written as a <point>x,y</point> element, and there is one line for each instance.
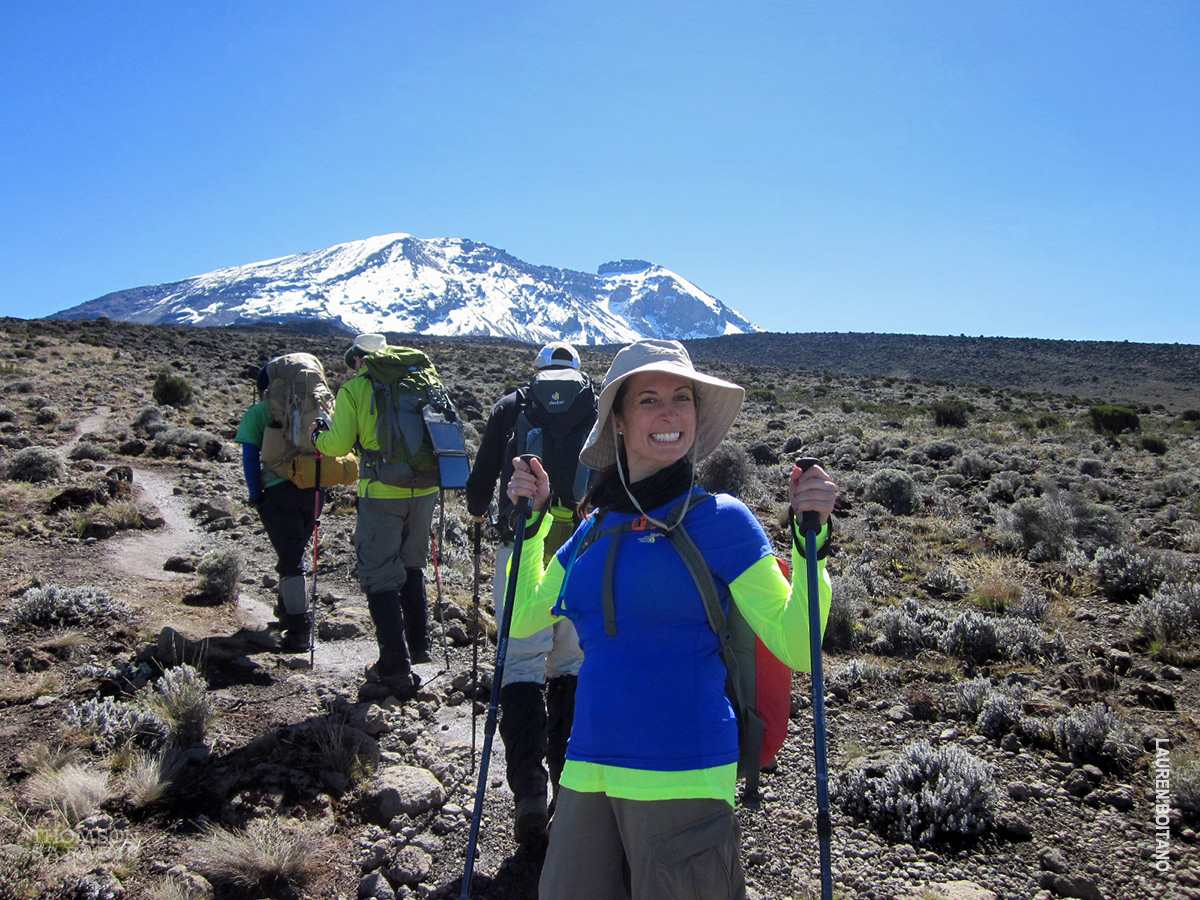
<point>149,776</point>
<point>267,855</point>
<point>73,791</point>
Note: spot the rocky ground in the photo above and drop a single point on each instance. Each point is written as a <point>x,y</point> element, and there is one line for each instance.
<point>1004,608</point>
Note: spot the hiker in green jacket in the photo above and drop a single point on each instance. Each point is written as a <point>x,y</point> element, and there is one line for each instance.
<point>395,517</point>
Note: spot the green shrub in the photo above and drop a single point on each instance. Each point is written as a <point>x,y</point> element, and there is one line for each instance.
<point>1153,444</point>
<point>729,470</point>
<point>1000,714</point>
<point>114,723</point>
<point>761,395</point>
<point>1112,419</point>
<point>1050,525</point>
<point>928,795</point>
<point>1171,616</point>
<point>181,699</point>
<point>48,415</point>
<point>895,490</point>
<point>971,636</point>
<point>171,390</point>
<point>1185,785</point>
<point>88,450</point>
<point>845,612</point>
<point>35,465</point>
<point>951,413</point>
<point>907,628</point>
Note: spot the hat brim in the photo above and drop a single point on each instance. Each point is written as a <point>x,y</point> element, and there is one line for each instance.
<point>718,403</point>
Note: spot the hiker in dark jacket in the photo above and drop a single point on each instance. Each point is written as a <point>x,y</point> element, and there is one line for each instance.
<point>391,537</point>
<point>533,725</point>
<point>288,515</point>
<point>645,809</point>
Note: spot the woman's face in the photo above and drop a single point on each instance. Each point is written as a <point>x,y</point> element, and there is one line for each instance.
<point>658,421</point>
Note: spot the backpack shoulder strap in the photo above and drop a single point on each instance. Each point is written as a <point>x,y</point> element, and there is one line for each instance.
<point>750,726</point>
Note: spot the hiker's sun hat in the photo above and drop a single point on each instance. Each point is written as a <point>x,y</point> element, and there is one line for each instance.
<point>558,355</point>
<point>364,344</point>
<point>718,402</point>
<point>370,342</point>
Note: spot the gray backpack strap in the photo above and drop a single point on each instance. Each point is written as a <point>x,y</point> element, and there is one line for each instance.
<point>740,685</point>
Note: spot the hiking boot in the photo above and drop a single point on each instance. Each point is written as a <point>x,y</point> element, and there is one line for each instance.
<point>421,656</point>
<point>530,819</point>
<point>377,686</point>
<point>296,633</point>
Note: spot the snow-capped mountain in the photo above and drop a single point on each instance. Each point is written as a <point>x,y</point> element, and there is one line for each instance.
<point>440,286</point>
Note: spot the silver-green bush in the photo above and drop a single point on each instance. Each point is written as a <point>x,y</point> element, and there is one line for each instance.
<point>181,699</point>
<point>1127,573</point>
<point>35,465</point>
<point>113,723</point>
<point>1095,734</point>
<point>928,795</point>
<point>220,570</point>
<point>57,607</point>
<point>1170,616</point>
<point>895,491</point>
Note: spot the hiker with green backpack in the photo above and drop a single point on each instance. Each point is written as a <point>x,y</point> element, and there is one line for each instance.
<point>646,803</point>
<point>379,414</point>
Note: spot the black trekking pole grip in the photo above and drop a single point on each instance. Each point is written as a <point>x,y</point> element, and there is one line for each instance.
<point>523,506</point>
<point>810,527</point>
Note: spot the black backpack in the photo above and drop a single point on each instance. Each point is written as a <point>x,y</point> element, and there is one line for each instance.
<point>558,412</point>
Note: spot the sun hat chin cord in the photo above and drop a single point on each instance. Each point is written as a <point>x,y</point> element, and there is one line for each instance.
<point>687,502</point>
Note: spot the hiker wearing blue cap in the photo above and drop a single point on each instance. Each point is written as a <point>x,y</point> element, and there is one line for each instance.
<point>646,805</point>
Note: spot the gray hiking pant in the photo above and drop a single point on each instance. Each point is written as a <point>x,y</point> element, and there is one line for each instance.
<point>549,653</point>
<point>391,535</point>
<point>605,848</point>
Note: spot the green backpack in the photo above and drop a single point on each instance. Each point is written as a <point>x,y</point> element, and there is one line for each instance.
<point>404,383</point>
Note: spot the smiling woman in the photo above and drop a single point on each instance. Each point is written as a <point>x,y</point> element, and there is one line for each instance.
<point>647,789</point>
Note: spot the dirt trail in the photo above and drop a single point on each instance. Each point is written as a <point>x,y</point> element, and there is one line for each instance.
<point>143,553</point>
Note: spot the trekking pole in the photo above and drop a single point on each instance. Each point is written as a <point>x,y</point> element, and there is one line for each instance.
<point>437,580</point>
<point>475,640</point>
<point>489,726</point>
<point>810,526</point>
<point>312,606</point>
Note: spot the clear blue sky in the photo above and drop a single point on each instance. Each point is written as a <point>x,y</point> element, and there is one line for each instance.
<point>1025,168</point>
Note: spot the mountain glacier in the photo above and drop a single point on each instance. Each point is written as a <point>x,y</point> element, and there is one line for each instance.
<point>439,286</point>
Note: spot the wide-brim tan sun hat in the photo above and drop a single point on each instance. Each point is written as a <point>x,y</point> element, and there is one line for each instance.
<point>370,342</point>
<point>718,402</point>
